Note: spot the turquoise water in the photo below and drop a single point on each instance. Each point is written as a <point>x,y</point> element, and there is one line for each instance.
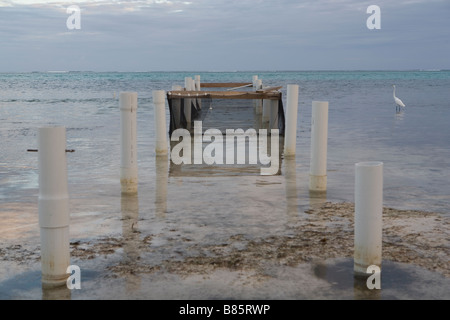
<point>363,125</point>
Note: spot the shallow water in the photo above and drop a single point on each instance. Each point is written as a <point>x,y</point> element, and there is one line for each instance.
<point>208,204</point>
<point>330,279</point>
<point>363,125</point>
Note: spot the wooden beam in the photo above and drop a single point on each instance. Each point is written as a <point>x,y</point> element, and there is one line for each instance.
<point>224,84</point>
<point>270,95</point>
<point>269,89</point>
<point>240,87</point>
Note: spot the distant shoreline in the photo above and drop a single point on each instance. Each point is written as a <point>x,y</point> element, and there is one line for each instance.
<point>221,71</point>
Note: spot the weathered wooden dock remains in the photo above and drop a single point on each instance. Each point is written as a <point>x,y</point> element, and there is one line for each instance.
<point>223,106</point>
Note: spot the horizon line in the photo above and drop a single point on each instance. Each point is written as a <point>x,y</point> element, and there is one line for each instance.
<point>230,71</point>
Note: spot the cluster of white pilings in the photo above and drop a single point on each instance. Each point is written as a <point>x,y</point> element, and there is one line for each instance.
<point>368,182</point>
<point>53,194</point>
<point>266,110</point>
<point>319,137</point>
<point>190,84</point>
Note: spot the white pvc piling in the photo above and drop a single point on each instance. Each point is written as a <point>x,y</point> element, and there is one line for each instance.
<point>161,182</point>
<point>291,187</point>
<point>258,103</point>
<point>267,105</point>
<point>319,140</point>
<point>188,85</point>
<point>368,215</point>
<point>197,83</point>
<point>176,107</point>
<point>159,102</point>
<point>254,78</point>
<point>53,206</point>
<point>198,88</point>
<point>273,123</point>
<point>128,142</point>
<point>290,138</point>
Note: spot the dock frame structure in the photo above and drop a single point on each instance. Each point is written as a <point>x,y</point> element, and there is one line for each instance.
<point>185,105</point>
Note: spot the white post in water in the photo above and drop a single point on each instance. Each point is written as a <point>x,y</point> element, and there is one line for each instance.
<point>197,82</point>
<point>273,123</point>
<point>198,88</point>
<point>159,102</point>
<point>258,103</point>
<point>254,78</point>
<point>187,102</point>
<point>319,140</point>
<point>176,107</point>
<point>128,142</point>
<point>368,215</point>
<point>267,104</point>
<point>161,181</point>
<point>53,206</point>
<point>290,138</point>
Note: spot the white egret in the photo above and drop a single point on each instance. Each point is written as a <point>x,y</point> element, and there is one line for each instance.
<point>398,103</point>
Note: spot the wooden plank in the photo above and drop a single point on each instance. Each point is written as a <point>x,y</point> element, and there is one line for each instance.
<point>240,87</point>
<point>269,89</point>
<point>271,95</point>
<point>223,84</point>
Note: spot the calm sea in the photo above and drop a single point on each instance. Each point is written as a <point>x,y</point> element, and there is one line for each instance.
<point>363,125</point>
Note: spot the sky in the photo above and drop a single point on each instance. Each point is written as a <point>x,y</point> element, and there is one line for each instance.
<point>224,35</point>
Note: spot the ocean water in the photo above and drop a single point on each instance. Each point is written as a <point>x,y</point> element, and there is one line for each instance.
<point>184,211</point>
<point>363,125</point>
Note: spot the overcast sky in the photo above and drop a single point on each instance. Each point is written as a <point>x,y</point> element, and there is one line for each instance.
<point>224,35</point>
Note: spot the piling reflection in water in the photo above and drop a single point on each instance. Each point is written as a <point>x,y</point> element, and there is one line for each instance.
<point>56,293</point>
<point>239,153</point>
<point>257,124</point>
<point>317,199</point>
<point>339,274</point>
<point>162,180</point>
<point>290,177</point>
<point>361,291</point>
<point>130,233</point>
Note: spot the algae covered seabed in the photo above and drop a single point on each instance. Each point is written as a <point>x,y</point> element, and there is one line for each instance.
<point>201,246</point>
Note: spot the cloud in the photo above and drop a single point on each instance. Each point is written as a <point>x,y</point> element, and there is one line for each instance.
<point>222,34</point>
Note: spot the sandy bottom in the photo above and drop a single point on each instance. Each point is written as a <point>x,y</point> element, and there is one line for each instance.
<point>174,265</point>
